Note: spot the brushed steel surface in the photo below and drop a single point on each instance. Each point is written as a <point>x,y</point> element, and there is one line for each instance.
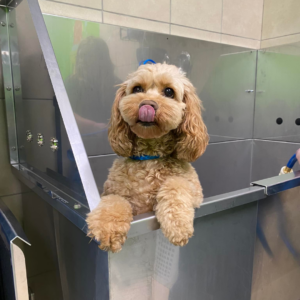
<point>229,107</point>
<point>277,96</point>
<point>280,183</point>
<point>93,57</point>
<point>276,271</point>
<point>215,264</point>
<point>16,81</point>
<point>59,199</point>
<point>83,267</point>
<point>64,201</point>
<point>42,257</point>
<point>145,223</point>
<point>220,163</point>
<point>11,233</point>
<point>225,167</point>
<point>33,77</point>
<point>9,225</point>
<point>32,62</point>
<point>6,88</point>
<point>38,117</point>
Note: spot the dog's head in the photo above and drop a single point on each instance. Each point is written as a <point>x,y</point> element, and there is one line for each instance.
<point>153,101</point>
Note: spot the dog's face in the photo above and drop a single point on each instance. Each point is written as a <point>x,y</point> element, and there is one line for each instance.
<point>155,100</point>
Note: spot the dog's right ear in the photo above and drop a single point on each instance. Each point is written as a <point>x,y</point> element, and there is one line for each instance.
<point>119,133</point>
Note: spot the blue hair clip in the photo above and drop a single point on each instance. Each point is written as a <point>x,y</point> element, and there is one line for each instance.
<point>144,62</point>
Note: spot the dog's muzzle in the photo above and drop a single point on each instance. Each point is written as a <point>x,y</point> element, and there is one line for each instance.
<point>147,111</point>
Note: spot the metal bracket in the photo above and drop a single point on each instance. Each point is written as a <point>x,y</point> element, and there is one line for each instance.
<point>280,183</point>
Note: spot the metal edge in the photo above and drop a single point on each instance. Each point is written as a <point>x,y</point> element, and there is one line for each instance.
<point>147,222</point>
<point>277,184</point>
<point>68,117</point>
<point>8,87</point>
<point>10,226</point>
<point>60,201</point>
<point>141,224</point>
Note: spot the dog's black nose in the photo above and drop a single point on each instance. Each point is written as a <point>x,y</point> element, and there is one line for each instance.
<point>149,102</point>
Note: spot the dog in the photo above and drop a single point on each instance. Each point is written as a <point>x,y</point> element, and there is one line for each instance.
<point>157,129</point>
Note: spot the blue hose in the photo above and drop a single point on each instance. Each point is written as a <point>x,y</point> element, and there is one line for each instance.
<point>292,162</point>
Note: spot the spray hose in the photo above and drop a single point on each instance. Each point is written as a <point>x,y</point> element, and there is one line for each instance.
<point>289,167</point>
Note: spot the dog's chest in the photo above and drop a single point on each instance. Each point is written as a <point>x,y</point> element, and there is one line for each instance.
<point>139,181</point>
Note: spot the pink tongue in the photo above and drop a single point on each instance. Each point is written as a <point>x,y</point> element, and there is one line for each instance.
<point>146,113</point>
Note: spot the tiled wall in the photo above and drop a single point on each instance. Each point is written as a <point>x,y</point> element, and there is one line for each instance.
<point>211,20</point>
<point>281,22</point>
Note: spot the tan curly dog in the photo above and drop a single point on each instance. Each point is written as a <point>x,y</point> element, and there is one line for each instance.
<point>156,113</point>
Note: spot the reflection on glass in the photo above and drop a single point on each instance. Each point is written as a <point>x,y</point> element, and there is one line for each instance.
<point>88,87</point>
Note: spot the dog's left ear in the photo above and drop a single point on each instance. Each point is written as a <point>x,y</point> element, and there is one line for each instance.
<point>192,132</point>
<point>119,133</point>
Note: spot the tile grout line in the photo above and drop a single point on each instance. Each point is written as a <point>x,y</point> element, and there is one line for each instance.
<point>170,15</point>
<point>221,33</point>
<point>262,23</point>
<point>281,36</point>
<point>161,22</point>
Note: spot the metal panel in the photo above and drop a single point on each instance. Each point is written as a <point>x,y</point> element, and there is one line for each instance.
<point>100,166</point>
<point>279,184</point>
<point>41,257</point>
<point>276,272</point>
<point>228,97</point>
<point>39,118</point>
<point>83,266</point>
<point>8,92</point>
<point>215,172</point>
<point>147,222</point>
<point>33,74</point>
<point>12,271</point>
<point>277,96</point>
<point>31,86</point>
<point>224,167</point>
<point>3,18</point>
<point>269,157</point>
<point>94,57</point>
<point>216,264</point>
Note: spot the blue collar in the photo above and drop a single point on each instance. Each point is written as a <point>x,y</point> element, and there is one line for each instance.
<point>143,157</point>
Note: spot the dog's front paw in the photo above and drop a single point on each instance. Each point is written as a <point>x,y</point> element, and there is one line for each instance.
<point>110,235</point>
<point>109,223</point>
<point>178,234</point>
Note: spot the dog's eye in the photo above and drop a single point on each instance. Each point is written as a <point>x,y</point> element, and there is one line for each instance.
<point>137,89</point>
<point>169,92</point>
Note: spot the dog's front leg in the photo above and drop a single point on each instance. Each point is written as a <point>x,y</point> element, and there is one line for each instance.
<point>176,201</point>
<point>110,221</point>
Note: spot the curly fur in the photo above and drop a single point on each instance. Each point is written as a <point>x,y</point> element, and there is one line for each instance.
<point>168,185</point>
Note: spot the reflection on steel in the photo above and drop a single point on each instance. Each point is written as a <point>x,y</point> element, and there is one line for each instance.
<point>279,184</point>
<point>10,226</point>
<point>277,247</point>
<point>277,82</point>
<point>12,260</point>
<point>147,222</point>
<point>60,199</point>
<point>7,81</point>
